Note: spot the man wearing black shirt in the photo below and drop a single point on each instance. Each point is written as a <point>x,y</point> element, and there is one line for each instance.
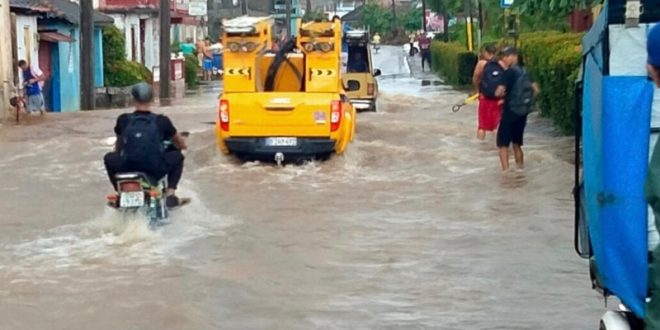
<point>171,163</point>
<point>512,126</point>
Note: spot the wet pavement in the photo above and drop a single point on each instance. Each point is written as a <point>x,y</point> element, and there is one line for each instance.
<point>413,228</point>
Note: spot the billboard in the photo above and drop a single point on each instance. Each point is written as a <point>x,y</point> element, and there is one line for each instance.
<point>197,8</point>
<point>434,22</point>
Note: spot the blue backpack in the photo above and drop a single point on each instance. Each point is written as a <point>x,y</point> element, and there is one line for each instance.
<point>142,146</point>
<point>490,79</point>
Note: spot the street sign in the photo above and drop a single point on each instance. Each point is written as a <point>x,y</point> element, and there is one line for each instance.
<point>197,9</point>
<point>506,3</point>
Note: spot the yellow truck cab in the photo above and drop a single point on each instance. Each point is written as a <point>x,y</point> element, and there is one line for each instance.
<point>283,105</point>
<point>360,77</point>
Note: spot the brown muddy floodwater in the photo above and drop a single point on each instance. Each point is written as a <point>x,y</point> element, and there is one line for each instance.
<point>414,228</point>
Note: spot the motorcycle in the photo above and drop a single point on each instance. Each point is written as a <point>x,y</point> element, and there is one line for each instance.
<point>137,192</point>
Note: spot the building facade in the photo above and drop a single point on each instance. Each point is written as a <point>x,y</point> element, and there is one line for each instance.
<point>48,36</point>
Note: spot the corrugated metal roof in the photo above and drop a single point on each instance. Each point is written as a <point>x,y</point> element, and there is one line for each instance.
<point>70,11</point>
<point>63,9</point>
<point>32,5</point>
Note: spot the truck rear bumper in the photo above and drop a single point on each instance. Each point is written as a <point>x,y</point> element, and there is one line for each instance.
<point>257,148</point>
<point>363,104</point>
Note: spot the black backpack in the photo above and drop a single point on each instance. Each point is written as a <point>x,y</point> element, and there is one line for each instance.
<point>490,79</point>
<point>521,96</point>
<point>142,146</point>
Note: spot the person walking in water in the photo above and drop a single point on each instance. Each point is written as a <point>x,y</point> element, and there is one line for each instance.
<point>486,77</point>
<point>652,189</point>
<point>424,43</point>
<point>512,123</point>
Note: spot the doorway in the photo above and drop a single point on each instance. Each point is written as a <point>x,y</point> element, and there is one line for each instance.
<point>45,64</point>
<point>134,44</point>
<point>27,42</point>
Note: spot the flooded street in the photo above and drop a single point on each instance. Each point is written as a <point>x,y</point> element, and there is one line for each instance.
<point>413,228</point>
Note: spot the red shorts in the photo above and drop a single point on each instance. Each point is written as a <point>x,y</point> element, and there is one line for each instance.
<point>489,114</point>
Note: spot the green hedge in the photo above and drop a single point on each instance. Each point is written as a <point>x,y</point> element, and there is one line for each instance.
<point>553,59</point>
<point>192,71</point>
<point>453,61</point>
<point>126,73</point>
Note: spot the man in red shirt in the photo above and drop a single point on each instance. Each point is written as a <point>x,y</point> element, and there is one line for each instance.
<point>425,49</point>
<point>490,109</point>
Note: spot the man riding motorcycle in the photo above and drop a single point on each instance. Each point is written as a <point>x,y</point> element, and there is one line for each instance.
<point>376,41</point>
<point>140,146</point>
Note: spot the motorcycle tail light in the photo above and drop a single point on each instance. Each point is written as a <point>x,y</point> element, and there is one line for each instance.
<point>130,186</point>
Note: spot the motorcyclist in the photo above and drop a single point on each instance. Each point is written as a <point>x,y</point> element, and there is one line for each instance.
<point>376,41</point>
<point>140,147</point>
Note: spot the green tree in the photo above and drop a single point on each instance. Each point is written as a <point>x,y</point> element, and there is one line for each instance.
<point>412,19</point>
<point>377,18</point>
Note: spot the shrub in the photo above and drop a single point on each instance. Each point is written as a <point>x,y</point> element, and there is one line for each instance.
<point>192,71</point>
<point>114,45</point>
<point>553,59</point>
<point>126,73</point>
<point>453,61</point>
<point>118,71</point>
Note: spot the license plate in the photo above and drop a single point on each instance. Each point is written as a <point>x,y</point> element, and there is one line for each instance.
<point>131,199</point>
<point>282,142</point>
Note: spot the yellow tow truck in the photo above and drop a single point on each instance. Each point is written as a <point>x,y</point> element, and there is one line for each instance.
<point>287,104</point>
<point>360,77</point>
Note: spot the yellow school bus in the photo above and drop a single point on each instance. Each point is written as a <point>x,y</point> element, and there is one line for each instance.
<point>283,104</point>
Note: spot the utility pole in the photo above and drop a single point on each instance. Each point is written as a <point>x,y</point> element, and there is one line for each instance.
<point>396,31</point>
<point>288,19</point>
<point>482,22</point>
<point>424,15</point>
<point>7,67</point>
<point>212,21</point>
<point>467,6</point>
<point>164,73</point>
<point>244,7</point>
<point>87,101</point>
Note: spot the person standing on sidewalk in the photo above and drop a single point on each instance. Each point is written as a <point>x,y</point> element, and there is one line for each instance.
<point>652,190</point>
<point>32,81</point>
<point>411,38</point>
<point>486,77</point>
<point>512,125</point>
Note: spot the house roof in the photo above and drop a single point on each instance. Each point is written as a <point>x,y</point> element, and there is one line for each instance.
<point>36,6</point>
<point>70,11</point>
<point>353,16</point>
<point>63,9</point>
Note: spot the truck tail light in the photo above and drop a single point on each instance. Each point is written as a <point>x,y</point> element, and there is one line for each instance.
<point>370,89</point>
<point>223,115</point>
<point>336,114</point>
